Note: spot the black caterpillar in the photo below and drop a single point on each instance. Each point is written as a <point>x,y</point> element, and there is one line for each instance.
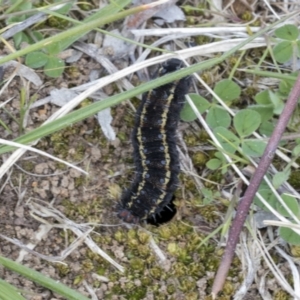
<point>155,154</point>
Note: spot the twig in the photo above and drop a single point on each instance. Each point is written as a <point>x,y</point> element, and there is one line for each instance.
<point>244,205</point>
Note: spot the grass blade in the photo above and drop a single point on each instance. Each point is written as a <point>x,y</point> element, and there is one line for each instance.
<point>41,279</point>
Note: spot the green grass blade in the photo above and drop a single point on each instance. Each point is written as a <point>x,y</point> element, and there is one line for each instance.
<point>128,40</point>
<point>76,31</point>
<point>91,109</point>
<point>41,279</point>
<point>268,74</point>
<point>108,10</point>
<point>8,292</point>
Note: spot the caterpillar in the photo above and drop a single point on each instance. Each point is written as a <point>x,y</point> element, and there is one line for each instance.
<point>154,149</point>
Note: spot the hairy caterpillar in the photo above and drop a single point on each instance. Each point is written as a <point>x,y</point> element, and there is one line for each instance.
<point>155,154</point>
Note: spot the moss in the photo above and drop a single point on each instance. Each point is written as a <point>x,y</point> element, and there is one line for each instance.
<point>87,265</point>
<point>56,22</point>
<point>78,154</point>
<point>186,284</point>
<point>129,119</point>
<point>62,269</point>
<point>143,236</point>
<point>208,78</point>
<point>184,256</point>
<point>157,273</point>
<point>164,232</point>
<point>59,144</point>
<point>191,140</point>
<point>191,20</point>
<point>79,181</point>
<point>294,179</point>
<point>86,6</point>
<point>199,159</point>
<point>78,279</point>
<point>210,213</point>
<point>122,136</point>
<point>197,270</point>
<point>179,269</point>
<point>120,236</point>
<point>113,277</point>
<point>137,264</point>
<point>188,183</point>
<point>250,91</point>
<point>73,72</point>
<point>211,263</point>
<point>143,251</point>
<point>214,177</point>
<point>281,295</point>
<point>146,281</point>
<point>188,10</point>
<point>171,288</point>
<point>295,250</point>
<point>28,165</point>
<point>192,296</point>
<point>61,166</point>
<point>137,294</point>
<point>247,16</point>
<point>228,288</point>
<point>202,39</point>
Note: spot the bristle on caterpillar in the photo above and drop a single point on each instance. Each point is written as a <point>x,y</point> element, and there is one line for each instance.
<point>154,149</point>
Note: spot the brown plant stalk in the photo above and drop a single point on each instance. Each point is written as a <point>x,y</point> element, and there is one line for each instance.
<point>244,204</point>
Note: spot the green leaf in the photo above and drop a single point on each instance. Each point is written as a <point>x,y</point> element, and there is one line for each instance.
<point>19,38</point>
<point>208,196</point>
<point>54,48</point>
<point>280,177</point>
<point>291,203</point>
<point>254,148</point>
<point>16,19</point>
<point>298,48</point>
<point>36,59</point>
<point>265,111</point>
<point>217,116</point>
<point>37,36</point>
<point>54,67</point>
<point>187,114</point>
<point>289,236</point>
<point>266,128</point>
<point>227,139</point>
<point>296,151</point>
<point>287,32</point>
<point>23,5</point>
<point>277,102</point>
<point>263,98</point>
<point>268,195</point>
<point>64,9</point>
<point>246,122</point>
<point>213,164</point>
<point>227,90</point>
<point>220,156</point>
<point>284,87</point>
<point>283,51</point>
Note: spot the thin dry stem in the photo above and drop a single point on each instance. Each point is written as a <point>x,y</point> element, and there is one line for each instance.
<point>244,205</point>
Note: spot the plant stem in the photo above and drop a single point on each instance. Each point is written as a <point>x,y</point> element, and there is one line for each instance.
<point>244,204</point>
